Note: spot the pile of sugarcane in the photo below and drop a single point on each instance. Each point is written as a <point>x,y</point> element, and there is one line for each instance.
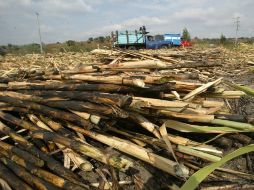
<point>108,118</point>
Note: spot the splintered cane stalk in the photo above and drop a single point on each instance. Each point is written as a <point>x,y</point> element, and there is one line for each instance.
<point>201,89</point>
<point>75,158</point>
<point>86,149</point>
<point>145,124</point>
<point>189,146</point>
<point>157,161</point>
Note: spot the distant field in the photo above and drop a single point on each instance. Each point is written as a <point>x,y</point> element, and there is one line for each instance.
<point>104,42</point>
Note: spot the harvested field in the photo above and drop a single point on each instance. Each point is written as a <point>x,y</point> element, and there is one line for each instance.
<point>127,119</point>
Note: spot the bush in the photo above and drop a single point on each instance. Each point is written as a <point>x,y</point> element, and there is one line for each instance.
<point>70,43</point>
<point>3,51</point>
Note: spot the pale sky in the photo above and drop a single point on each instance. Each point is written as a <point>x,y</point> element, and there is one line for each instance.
<point>63,20</point>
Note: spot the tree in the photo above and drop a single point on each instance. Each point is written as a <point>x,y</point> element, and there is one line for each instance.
<point>223,39</point>
<point>186,35</point>
<point>101,39</point>
<point>70,43</point>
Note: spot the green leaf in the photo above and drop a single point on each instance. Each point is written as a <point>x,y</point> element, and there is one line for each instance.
<point>245,89</point>
<point>201,174</point>
<point>189,128</point>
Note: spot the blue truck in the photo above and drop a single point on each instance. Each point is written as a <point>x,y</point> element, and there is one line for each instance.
<point>139,39</point>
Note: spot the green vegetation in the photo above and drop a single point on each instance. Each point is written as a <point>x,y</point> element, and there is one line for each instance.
<point>68,46</point>
<point>223,39</point>
<point>105,42</point>
<point>186,35</point>
<point>228,43</point>
<point>193,182</point>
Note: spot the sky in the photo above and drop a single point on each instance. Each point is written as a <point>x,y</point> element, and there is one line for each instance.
<point>62,20</point>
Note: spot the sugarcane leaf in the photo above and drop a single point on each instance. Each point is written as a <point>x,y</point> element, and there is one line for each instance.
<point>181,169</point>
<point>185,127</point>
<point>245,89</point>
<point>164,134</point>
<point>201,174</point>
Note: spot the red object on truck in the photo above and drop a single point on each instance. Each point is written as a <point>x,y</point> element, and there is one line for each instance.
<point>186,43</point>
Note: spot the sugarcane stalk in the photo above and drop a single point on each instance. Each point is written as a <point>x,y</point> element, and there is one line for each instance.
<point>89,107</point>
<point>67,104</point>
<point>41,173</point>
<point>48,85</point>
<point>142,121</point>
<point>55,166</point>
<point>49,161</point>
<point>178,140</point>
<point>62,130</point>
<point>59,114</point>
<point>40,145</point>
<point>87,116</point>
<point>75,158</point>
<point>189,117</point>
<point>96,97</point>
<point>156,103</point>
<point>18,132</point>
<point>136,82</point>
<point>57,127</point>
<point>88,150</point>
<point>163,87</point>
<point>145,64</point>
<point>201,89</point>
<point>233,124</point>
<point>21,153</point>
<point>162,163</point>
<point>15,182</point>
<point>32,180</point>
<point>225,94</point>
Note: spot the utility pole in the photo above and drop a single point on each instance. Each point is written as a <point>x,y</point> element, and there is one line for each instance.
<point>39,30</point>
<point>237,24</point>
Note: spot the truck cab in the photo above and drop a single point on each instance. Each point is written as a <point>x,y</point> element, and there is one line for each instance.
<point>163,41</point>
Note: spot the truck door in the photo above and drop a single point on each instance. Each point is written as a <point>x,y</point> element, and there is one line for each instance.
<point>151,43</point>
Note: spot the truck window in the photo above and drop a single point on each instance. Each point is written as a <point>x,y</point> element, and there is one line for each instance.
<point>150,38</point>
<point>159,38</point>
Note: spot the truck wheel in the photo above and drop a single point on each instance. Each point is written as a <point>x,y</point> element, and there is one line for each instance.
<point>132,48</point>
<point>164,47</point>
